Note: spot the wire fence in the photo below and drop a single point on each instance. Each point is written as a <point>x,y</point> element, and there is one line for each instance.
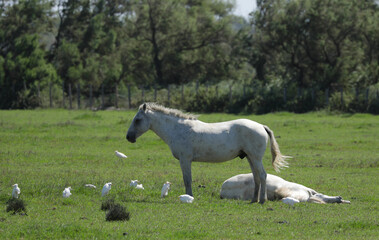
<point>179,96</point>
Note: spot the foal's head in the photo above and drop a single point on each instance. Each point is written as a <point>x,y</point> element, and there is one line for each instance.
<point>140,124</point>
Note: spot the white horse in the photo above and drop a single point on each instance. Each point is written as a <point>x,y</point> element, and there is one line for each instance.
<point>191,140</point>
<point>242,187</point>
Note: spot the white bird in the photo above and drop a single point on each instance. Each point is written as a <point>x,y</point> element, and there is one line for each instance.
<point>67,192</point>
<point>134,183</point>
<point>106,189</point>
<point>290,201</point>
<point>186,198</point>
<point>120,155</point>
<point>90,186</point>
<point>16,191</point>
<point>165,188</point>
<point>139,186</point>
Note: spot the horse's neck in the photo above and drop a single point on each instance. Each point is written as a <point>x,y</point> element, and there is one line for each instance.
<point>163,125</point>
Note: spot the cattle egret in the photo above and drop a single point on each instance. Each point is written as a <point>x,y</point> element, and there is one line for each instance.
<point>16,191</point>
<point>66,192</point>
<point>139,186</point>
<point>134,183</point>
<point>165,188</point>
<point>186,198</point>
<point>106,189</point>
<point>290,201</point>
<point>120,155</point>
<point>90,186</point>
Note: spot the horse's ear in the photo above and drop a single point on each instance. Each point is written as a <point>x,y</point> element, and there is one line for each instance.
<point>144,107</point>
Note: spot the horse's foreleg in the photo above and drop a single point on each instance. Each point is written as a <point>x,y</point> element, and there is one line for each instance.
<point>185,165</point>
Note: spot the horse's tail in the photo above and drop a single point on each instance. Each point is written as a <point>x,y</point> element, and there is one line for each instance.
<point>278,160</point>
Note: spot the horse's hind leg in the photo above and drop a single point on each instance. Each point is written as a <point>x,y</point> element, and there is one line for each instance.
<point>259,179</point>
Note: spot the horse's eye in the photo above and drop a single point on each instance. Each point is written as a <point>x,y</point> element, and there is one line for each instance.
<point>138,121</point>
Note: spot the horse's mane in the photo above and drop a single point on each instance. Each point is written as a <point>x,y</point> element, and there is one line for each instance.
<point>169,111</point>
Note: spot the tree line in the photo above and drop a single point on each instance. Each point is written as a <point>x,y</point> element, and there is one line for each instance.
<point>318,44</point>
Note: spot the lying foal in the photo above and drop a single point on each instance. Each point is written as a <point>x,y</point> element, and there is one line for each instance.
<point>242,187</point>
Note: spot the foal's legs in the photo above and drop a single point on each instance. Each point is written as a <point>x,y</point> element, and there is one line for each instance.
<point>259,178</point>
<point>185,165</point>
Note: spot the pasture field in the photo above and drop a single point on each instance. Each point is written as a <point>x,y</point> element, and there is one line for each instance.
<point>45,151</point>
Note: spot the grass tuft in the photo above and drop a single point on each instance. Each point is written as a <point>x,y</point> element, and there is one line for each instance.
<point>117,213</point>
<point>107,204</point>
<point>16,205</point>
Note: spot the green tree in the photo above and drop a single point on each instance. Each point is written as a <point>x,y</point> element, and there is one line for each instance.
<point>88,40</point>
<point>314,43</point>
<point>25,68</point>
<point>22,57</point>
<point>181,41</point>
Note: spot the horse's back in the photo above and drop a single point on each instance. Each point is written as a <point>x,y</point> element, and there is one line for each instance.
<point>222,141</point>
<point>242,127</point>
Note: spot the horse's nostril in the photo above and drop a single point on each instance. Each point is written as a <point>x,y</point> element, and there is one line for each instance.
<point>127,137</point>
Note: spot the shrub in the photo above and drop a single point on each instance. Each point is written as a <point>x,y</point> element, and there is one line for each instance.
<point>107,204</point>
<point>16,205</point>
<point>117,213</point>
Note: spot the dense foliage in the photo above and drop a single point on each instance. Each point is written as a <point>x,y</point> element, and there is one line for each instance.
<point>314,44</point>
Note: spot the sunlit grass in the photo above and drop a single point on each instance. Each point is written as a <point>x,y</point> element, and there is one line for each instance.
<point>45,151</point>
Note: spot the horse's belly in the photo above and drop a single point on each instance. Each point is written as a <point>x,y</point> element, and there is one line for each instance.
<point>215,155</point>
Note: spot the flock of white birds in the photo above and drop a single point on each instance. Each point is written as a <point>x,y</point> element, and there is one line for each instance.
<point>107,187</point>
<point>136,184</point>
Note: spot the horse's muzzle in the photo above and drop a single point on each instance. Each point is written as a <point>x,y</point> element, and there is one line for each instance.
<point>131,138</point>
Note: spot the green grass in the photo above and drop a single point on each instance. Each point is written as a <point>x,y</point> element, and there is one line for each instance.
<point>45,151</point>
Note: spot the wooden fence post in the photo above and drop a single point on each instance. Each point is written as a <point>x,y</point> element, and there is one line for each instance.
<point>90,96</point>
<point>299,92</point>
<point>285,95</point>
<point>327,97</point>
<point>230,92</point>
<point>143,94</point>
<point>50,94</point>
<point>38,92</point>
<point>182,93</point>
<point>356,93</point>
<point>78,94</point>
<point>129,97</point>
<point>63,96</point>
<point>367,95</point>
<point>102,96</point>
<point>155,93</point>
<point>70,95</point>
<point>168,94</point>
<point>116,95</point>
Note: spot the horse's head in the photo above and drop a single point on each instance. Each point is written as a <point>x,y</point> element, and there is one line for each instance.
<point>140,124</point>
